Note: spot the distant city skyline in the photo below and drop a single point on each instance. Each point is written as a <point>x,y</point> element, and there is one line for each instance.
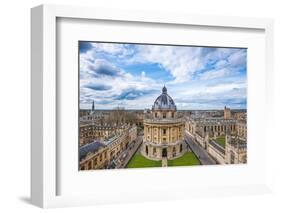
<point>132,76</point>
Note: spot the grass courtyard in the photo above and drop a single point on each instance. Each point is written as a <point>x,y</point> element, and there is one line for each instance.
<point>221,140</point>
<point>138,161</point>
<point>188,159</point>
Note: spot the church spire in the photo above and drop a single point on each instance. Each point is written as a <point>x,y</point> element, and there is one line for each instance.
<point>93,106</point>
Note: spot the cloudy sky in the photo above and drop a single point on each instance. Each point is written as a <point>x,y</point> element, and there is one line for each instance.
<point>132,76</point>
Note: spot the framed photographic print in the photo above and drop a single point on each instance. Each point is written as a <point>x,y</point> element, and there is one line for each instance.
<point>149,106</point>
<point>126,121</point>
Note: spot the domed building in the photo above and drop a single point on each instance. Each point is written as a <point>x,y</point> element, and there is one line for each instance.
<point>163,130</point>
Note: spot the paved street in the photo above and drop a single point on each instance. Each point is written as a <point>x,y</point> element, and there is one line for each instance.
<point>125,156</point>
<point>201,154</point>
<point>164,162</point>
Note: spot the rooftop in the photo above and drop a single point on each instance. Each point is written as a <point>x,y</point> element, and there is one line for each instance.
<point>90,147</point>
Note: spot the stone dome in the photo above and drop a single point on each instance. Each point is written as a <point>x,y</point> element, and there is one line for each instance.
<point>164,102</point>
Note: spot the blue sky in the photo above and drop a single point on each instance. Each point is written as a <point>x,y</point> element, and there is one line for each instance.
<point>132,75</point>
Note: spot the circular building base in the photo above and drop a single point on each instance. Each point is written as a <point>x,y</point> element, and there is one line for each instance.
<point>158,152</point>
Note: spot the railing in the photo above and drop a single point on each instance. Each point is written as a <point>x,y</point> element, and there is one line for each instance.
<point>163,143</point>
<point>164,120</point>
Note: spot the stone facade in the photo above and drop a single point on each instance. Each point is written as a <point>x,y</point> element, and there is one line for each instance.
<point>97,160</point>
<point>216,127</point>
<point>204,131</point>
<point>101,157</point>
<point>91,131</point>
<point>235,150</point>
<point>216,151</point>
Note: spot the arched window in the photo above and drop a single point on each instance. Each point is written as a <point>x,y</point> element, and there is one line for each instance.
<point>164,114</point>
<point>146,149</point>
<point>172,114</point>
<point>181,148</point>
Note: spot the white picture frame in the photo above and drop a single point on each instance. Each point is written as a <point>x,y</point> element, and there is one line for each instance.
<point>44,153</point>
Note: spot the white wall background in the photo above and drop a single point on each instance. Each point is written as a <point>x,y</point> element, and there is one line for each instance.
<point>15,103</point>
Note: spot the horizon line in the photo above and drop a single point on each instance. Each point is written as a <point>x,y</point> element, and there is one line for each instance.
<point>177,109</point>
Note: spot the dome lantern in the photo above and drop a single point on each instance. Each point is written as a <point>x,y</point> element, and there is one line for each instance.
<point>164,90</point>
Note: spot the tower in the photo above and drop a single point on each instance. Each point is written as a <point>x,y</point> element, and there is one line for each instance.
<point>227,113</point>
<point>93,107</point>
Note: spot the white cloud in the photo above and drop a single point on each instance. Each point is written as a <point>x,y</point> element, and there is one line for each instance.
<point>238,58</point>
<point>212,74</point>
<point>179,61</point>
<point>105,81</point>
<point>111,48</point>
<point>119,50</point>
<point>221,63</point>
<point>213,89</point>
<point>182,63</point>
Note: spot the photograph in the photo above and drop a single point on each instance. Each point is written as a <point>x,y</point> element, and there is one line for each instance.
<point>148,105</point>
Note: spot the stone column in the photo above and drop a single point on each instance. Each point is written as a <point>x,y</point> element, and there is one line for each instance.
<point>158,152</point>
<point>160,133</point>
<point>168,135</point>
<point>145,133</point>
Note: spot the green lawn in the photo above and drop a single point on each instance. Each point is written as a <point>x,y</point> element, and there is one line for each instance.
<point>221,140</point>
<point>188,159</point>
<point>138,161</point>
